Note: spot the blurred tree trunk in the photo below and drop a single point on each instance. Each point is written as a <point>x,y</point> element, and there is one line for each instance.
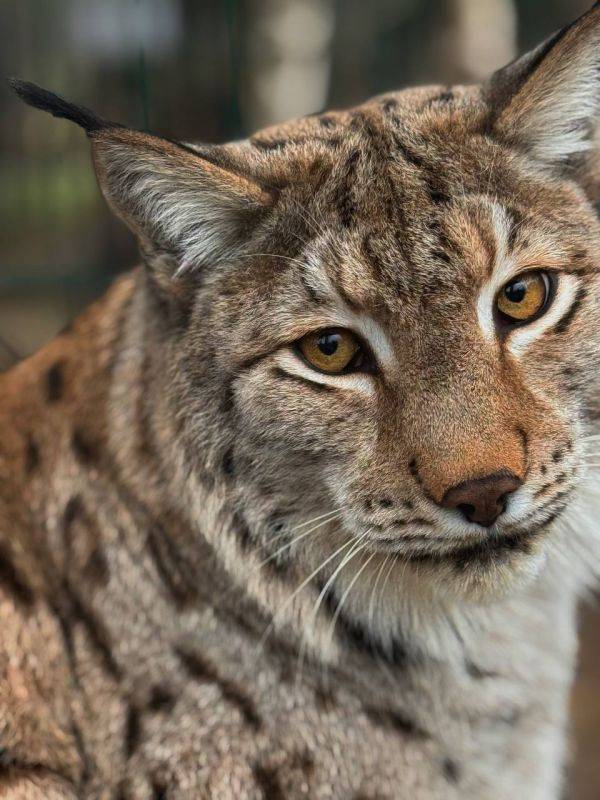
<point>480,37</point>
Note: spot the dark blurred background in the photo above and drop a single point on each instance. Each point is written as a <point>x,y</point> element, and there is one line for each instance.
<point>212,70</point>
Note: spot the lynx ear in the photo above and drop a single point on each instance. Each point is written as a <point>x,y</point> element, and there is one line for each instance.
<point>548,101</point>
<point>175,199</point>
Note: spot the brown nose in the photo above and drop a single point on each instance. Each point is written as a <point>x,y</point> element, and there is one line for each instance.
<point>482,500</point>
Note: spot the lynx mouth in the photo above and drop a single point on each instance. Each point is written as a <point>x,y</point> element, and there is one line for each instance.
<point>493,548</point>
<point>475,547</point>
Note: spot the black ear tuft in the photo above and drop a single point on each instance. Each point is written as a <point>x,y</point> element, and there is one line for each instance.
<point>47,101</point>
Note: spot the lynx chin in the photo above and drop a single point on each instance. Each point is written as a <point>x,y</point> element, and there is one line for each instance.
<point>303,506</point>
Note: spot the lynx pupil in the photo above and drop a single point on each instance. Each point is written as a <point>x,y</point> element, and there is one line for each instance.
<point>329,343</point>
<point>515,292</point>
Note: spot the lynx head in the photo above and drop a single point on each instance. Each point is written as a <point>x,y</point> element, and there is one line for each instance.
<point>385,318</point>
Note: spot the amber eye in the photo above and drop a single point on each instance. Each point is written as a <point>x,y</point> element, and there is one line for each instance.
<point>524,298</point>
<point>332,350</point>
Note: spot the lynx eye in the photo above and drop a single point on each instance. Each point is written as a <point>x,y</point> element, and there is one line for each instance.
<point>525,298</point>
<point>331,350</point>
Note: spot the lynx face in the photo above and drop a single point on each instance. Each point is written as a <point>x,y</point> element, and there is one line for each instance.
<point>386,319</point>
<point>417,355</point>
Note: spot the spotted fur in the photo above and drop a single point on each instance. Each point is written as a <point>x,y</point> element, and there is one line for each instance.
<point>225,575</point>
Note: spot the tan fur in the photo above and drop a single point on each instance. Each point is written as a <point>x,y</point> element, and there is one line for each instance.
<point>223,575</point>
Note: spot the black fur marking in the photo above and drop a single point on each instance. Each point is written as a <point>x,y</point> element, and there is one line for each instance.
<point>441,255</point>
<point>73,509</point>
<point>171,567</point>
<point>132,734</point>
<point>53,104</point>
<point>554,516</point>
<point>282,144</point>
<point>515,218</point>
<point>325,699</point>
<point>84,450</point>
<point>286,376</point>
<point>326,122</point>
<point>32,456</point>
<point>396,721</point>
<point>122,792</point>
<point>557,497</point>
<point>548,486</point>
<point>522,434</point>
<point>414,471</point>
<point>305,761</point>
<point>64,623</point>
<point>438,196</point>
<point>370,255</point>
<point>403,523</point>
<point>359,638</point>
<point>96,569</point>
<point>228,463</point>
<point>268,782</point>
<point>227,404</point>
<point>389,105</point>
<point>276,523</point>
<point>345,201</point>
<point>557,456</point>
<point>242,532</point>
<point>75,611</point>
<point>200,669</point>
<point>161,699</point>
<point>565,322</point>
<point>451,770</point>
<point>314,296</point>
<point>273,144</point>
<point>159,789</point>
<point>434,183</point>
<point>87,765</point>
<point>55,383</point>
<point>407,153</point>
<point>385,502</point>
<point>13,582</point>
<point>443,98</point>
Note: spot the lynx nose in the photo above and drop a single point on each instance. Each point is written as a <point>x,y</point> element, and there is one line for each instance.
<point>482,500</point>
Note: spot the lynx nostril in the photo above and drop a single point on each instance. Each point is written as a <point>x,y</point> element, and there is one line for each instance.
<point>466,509</point>
<point>482,500</point>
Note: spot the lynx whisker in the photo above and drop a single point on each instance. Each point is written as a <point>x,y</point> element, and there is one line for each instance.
<point>278,613</point>
<point>297,539</point>
<point>373,598</point>
<point>346,593</point>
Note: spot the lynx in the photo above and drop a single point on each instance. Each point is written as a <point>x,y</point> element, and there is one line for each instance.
<point>303,506</point>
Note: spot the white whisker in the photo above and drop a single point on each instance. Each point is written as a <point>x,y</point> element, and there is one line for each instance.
<point>292,597</point>
<point>345,595</point>
<point>298,538</point>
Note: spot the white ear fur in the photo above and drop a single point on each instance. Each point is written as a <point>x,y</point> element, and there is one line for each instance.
<point>549,101</point>
<point>175,199</point>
